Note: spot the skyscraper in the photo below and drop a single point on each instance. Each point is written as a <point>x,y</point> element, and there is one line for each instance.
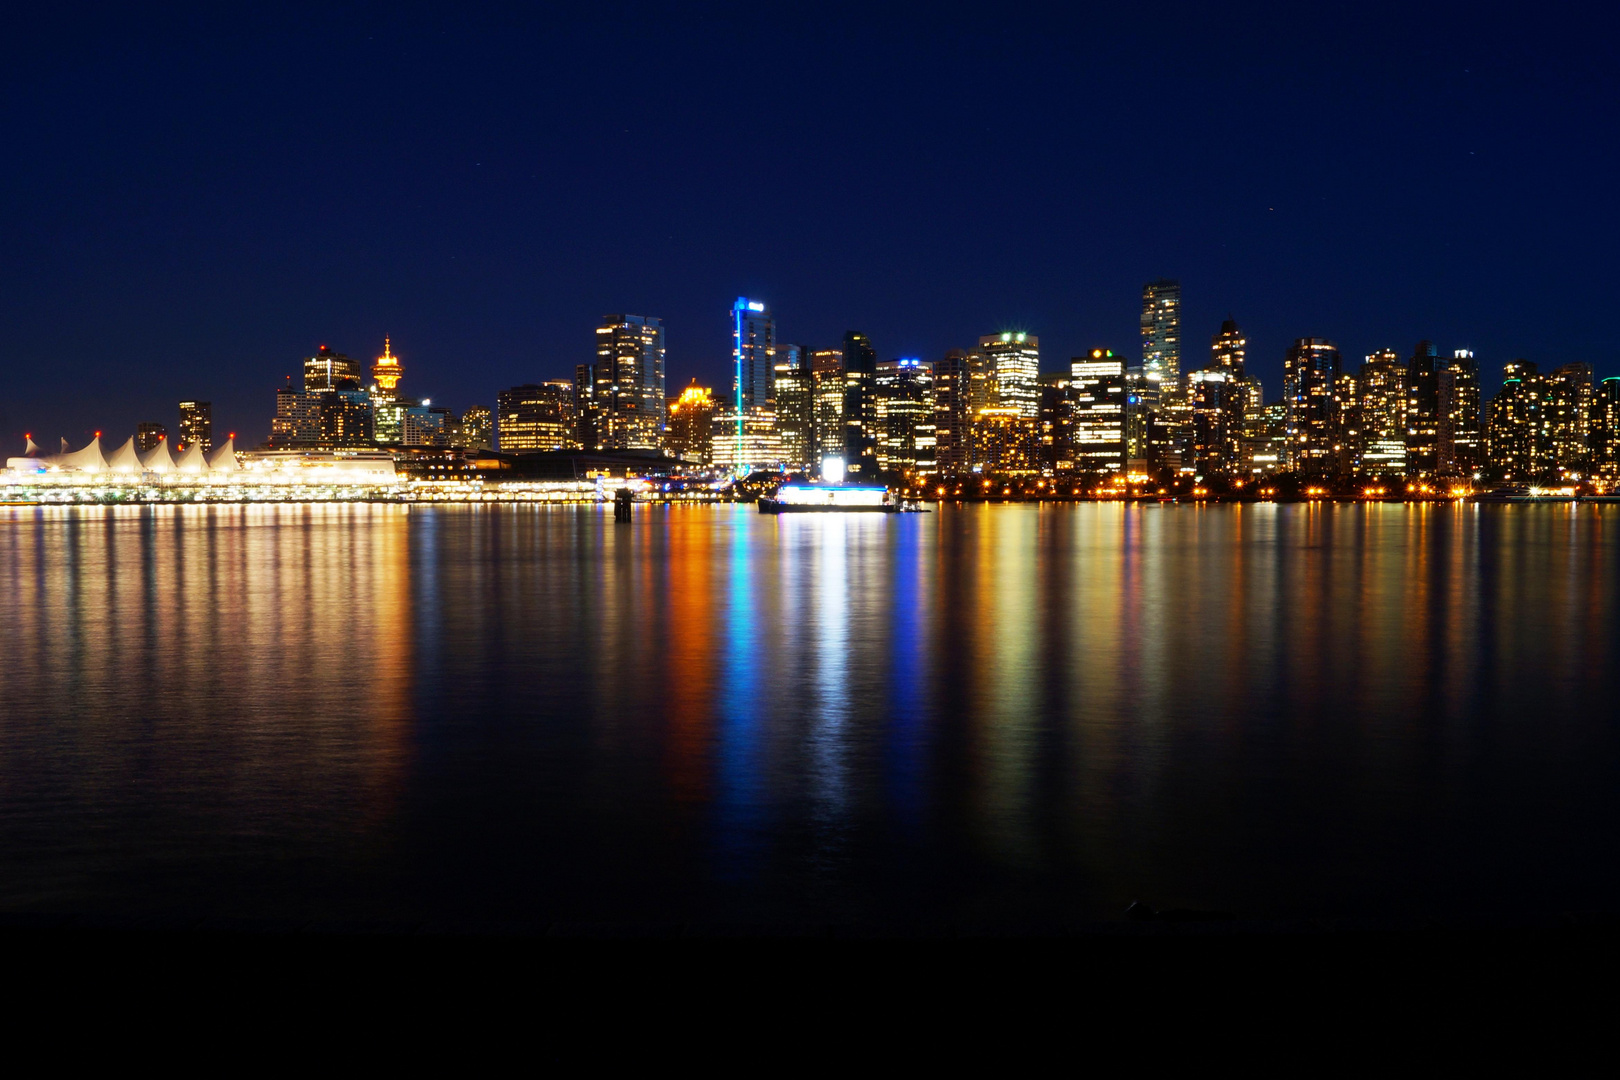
<point>148,435</point>
<point>297,423</point>
<point>1606,437</point>
<point>1056,424</point>
<point>1566,415</point>
<point>753,342</point>
<point>478,428</point>
<point>1428,411</point>
<point>1161,329</point>
<point>827,383</point>
<point>1227,348</point>
<point>586,409</point>
<point>1097,386</point>
<point>953,413</point>
<point>860,406</point>
<point>1005,442</point>
<point>629,382</point>
<point>1381,394</point>
<point>538,416</point>
<point>1514,439</point>
<point>795,406</point>
<point>689,433</point>
<point>904,400</point>
<point>1467,440</point>
<point>390,414</point>
<point>197,424</point>
<point>1012,361</point>
<point>329,370</point>
<point>1310,377</point>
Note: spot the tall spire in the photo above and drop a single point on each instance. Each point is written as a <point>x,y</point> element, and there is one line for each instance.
<point>386,372</point>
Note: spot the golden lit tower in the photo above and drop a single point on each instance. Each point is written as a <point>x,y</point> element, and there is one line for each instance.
<point>386,372</point>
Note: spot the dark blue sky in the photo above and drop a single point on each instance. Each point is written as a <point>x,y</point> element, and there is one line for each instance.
<point>191,202</point>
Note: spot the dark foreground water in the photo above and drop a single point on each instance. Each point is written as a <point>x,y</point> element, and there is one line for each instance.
<point>977,716</point>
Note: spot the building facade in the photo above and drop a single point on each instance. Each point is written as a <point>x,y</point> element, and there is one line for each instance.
<point>1310,378</point>
<point>1012,361</point>
<point>689,433</point>
<point>477,428</point>
<point>903,392</point>
<point>1097,389</point>
<point>795,406</point>
<point>538,416</point>
<point>953,413</point>
<point>197,425</point>
<point>860,405</point>
<point>628,383</point>
<point>827,384</point>
<point>1161,329</point>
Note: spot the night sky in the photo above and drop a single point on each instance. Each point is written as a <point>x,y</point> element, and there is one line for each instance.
<point>192,202</point>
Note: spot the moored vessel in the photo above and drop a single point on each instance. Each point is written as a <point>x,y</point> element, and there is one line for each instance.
<point>828,498</point>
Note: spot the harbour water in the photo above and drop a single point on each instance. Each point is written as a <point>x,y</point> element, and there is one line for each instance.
<point>987,715</point>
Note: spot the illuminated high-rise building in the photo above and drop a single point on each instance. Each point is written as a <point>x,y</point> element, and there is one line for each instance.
<point>1606,436</point>
<point>1005,442</point>
<point>148,435</point>
<point>1141,402</point>
<point>537,416</point>
<point>689,433</point>
<point>1428,412</point>
<point>827,383</point>
<point>903,392</point>
<point>1566,416</point>
<point>1310,378</point>
<point>385,400</point>
<point>197,425</point>
<point>953,413</point>
<point>1467,438</point>
<point>334,396</point>
<point>1515,441</point>
<point>329,370</point>
<point>753,344</point>
<point>1381,397</point>
<point>297,423</point>
<point>860,405</point>
<point>1213,394</point>
<point>1161,329</point>
<point>1097,389</point>
<point>795,406</point>
<point>1228,348</point>
<point>1012,361</point>
<point>1055,425</point>
<point>629,382</point>
<point>478,428</point>
<point>746,441</point>
<point>586,410</point>
<point>427,424</point>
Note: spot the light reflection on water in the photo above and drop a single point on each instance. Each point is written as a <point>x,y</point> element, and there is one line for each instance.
<point>986,713</point>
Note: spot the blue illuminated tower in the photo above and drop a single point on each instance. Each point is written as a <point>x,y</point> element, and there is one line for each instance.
<point>754,344</point>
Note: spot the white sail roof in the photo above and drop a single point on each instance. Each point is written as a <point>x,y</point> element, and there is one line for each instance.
<point>191,460</point>
<point>33,447</point>
<point>223,457</point>
<point>125,459</point>
<point>89,459</point>
<point>158,459</point>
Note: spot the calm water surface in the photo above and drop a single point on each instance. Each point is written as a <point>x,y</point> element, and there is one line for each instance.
<point>981,715</point>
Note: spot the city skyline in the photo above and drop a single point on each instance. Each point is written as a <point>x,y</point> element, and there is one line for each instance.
<point>1465,207</point>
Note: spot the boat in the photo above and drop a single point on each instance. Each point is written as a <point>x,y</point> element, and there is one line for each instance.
<point>1522,494</point>
<point>829,499</point>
